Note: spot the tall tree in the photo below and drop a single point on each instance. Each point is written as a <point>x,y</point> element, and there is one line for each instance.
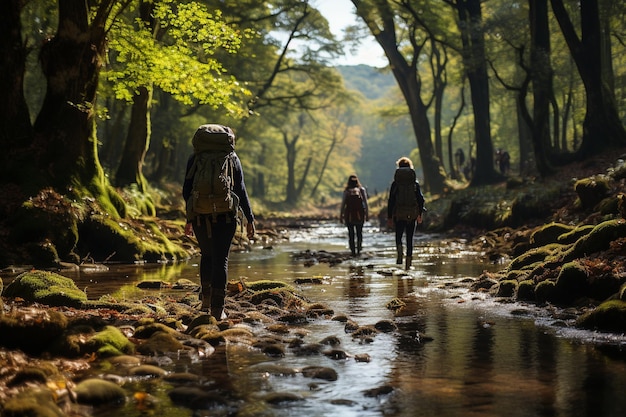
<point>470,24</point>
<point>379,18</point>
<point>602,126</point>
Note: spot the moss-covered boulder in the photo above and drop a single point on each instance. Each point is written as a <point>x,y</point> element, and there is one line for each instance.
<point>597,240</point>
<point>572,282</point>
<point>544,291</point>
<point>33,403</point>
<point>575,234</point>
<point>46,288</point>
<point>609,316</point>
<point>94,391</point>
<point>506,288</point>
<point>592,190</point>
<point>526,290</point>
<point>31,331</point>
<point>549,233</point>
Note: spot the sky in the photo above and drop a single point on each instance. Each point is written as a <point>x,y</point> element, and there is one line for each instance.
<point>340,13</point>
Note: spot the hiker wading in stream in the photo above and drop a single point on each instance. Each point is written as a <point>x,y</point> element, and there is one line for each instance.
<point>354,212</point>
<point>404,207</point>
<point>214,191</point>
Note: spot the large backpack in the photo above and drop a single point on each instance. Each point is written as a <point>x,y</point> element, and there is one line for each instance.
<point>355,207</point>
<point>212,172</point>
<point>407,206</point>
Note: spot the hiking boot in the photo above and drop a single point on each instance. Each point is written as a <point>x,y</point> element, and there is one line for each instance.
<point>217,304</point>
<point>399,259</point>
<point>409,259</point>
<point>205,297</point>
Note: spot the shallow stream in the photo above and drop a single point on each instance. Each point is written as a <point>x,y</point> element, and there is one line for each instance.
<point>455,353</point>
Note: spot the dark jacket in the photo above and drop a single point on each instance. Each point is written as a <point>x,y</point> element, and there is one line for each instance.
<point>239,186</point>
<point>391,202</point>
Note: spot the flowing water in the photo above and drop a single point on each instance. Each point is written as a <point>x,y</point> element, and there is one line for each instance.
<point>455,353</point>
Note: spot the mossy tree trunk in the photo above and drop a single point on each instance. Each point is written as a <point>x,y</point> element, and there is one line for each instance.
<point>15,125</point>
<point>65,144</point>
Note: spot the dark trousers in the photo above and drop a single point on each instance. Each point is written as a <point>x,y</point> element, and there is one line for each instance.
<point>214,239</point>
<point>405,227</point>
<point>355,229</point>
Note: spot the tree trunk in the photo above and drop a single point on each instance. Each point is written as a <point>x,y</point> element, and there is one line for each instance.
<point>472,36</point>
<point>137,142</point>
<point>15,128</point>
<point>65,135</point>
<point>138,137</point>
<point>541,75</point>
<point>409,82</point>
<point>602,127</point>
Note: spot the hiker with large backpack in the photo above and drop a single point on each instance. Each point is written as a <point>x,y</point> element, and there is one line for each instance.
<point>214,192</point>
<point>404,207</point>
<point>354,212</point>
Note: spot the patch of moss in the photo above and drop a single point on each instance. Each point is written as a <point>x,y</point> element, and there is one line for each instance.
<point>110,342</point>
<point>47,288</point>
<point>526,290</point>
<point>544,291</point>
<point>609,316</point>
<point>506,288</point>
<point>264,285</point>
<point>592,190</point>
<point>575,234</point>
<point>549,233</point>
<point>572,282</point>
<point>597,240</point>
<point>533,256</point>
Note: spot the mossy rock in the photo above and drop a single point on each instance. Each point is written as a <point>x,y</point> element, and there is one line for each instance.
<point>575,234</point>
<point>597,240</point>
<point>46,288</point>
<point>264,285</point>
<point>604,286</point>
<point>592,190</point>
<point>549,234</point>
<point>33,403</point>
<point>572,282</point>
<point>609,316</point>
<point>507,288</point>
<point>622,293</point>
<point>95,391</point>
<point>526,290</point>
<point>544,291</point>
<point>31,334</point>
<point>532,257</point>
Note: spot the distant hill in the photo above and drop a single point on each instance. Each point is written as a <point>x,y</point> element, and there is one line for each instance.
<point>372,82</point>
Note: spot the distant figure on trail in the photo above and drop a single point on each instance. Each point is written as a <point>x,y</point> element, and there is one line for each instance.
<point>354,212</point>
<point>405,207</point>
<point>503,161</point>
<point>214,191</point>
<point>459,159</point>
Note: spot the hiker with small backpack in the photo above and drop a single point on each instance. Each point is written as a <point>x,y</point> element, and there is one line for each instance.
<point>354,213</point>
<point>405,206</point>
<point>214,192</point>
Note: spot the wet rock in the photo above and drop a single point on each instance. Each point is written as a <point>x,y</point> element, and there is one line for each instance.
<point>31,330</point>
<point>124,361</point>
<point>182,378</point>
<point>336,354</point>
<point>147,370</point>
<point>274,350</point>
<point>609,316</point>
<point>320,372</point>
<point>308,349</point>
<point>160,343</point>
<point>377,392</point>
<point>386,326</point>
<point>28,375</point>
<point>95,391</point>
<point>32,403</point>
<point>46,288</point>
<point>197,398</point>
<point>276,398</point>
<point>331,340</point>
<point>362,357</point>
<point>273,369</point>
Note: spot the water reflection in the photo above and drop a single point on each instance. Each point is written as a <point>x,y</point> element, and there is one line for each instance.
<point>451,356</point>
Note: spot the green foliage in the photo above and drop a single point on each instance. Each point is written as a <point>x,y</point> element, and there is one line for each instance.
<point>182,63</point>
